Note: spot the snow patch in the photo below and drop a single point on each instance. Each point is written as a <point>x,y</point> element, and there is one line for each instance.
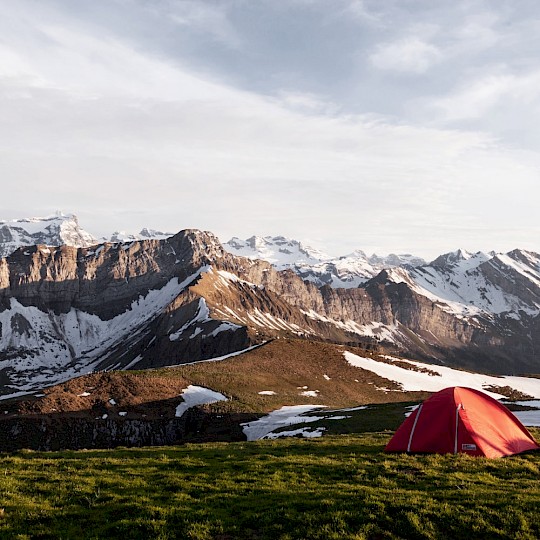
<point>197,395</point>
<point>413,381</point>
<point>286,416</point>
<point>303,432</point>
<point>310,393</point>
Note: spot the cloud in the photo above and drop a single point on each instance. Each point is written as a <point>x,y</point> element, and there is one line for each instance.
<point>498,97</point>
<point>408,55</point>
<point>210,19</point>
<point>127,138</point>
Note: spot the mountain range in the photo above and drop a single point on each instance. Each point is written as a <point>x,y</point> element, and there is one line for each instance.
<point>67,309</point>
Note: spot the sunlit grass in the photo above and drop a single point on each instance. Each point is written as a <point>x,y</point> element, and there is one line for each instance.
<point>340,487</point>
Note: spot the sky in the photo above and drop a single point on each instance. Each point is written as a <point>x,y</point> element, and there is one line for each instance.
<point>405,126</point>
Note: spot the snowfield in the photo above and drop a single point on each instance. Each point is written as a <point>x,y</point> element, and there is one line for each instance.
<point>414,381</point>
<point>53,342</point>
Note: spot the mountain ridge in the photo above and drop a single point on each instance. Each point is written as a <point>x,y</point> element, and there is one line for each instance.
<point>65,311</point>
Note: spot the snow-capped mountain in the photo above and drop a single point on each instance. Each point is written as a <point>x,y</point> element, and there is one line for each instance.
<point>281,252</point>
<point>498,284</point>
<point>146,303</point>
<point>144,234</point>
<point>59,229</point>
<point>313,265</point>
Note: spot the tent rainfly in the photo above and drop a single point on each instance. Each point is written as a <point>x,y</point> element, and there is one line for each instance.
<point>462,420</point>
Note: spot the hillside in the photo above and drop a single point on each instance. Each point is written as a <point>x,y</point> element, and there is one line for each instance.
<point>315,387</point>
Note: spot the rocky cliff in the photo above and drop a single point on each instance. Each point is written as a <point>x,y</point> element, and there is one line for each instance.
<point>66,310</point>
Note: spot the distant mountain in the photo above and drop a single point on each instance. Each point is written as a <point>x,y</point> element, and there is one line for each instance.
<point>59,229</point>
<point>71,305</point>
<point>315,266</point>
<point>145,234</point>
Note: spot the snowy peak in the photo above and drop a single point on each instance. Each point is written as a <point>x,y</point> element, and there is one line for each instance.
<point>393,260</point>
<point>313,265</point>
<point>56,230</point>
<point>144,234</point>
<point>280,251</point>
<point>449,260</point>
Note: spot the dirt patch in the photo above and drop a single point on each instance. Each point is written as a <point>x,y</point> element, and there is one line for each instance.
<point>508,392</point>
<point>109,393</point>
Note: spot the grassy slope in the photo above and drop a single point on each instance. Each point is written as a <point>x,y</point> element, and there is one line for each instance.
<point>285,365</point>
<point>340,487</point>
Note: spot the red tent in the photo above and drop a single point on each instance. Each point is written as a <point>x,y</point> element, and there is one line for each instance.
<point>462,420</point>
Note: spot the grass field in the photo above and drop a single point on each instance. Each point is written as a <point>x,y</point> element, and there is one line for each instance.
<point>338,487</point>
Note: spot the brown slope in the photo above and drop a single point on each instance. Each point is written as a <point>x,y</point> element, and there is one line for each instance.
<point>286,366</point>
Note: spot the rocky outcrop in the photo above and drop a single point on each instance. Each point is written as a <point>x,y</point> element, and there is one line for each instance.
<point>60,432</point>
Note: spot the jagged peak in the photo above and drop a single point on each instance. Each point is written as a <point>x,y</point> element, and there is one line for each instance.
<point>524,255</point>
<point>451,258</point>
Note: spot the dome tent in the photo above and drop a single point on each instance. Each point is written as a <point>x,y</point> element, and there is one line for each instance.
<point>462,420</point>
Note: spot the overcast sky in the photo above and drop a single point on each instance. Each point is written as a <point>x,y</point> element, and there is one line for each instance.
<point>384,125</point>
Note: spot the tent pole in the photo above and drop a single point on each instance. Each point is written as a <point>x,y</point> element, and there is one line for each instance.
<point>456,434</point>
<point>414,427</point>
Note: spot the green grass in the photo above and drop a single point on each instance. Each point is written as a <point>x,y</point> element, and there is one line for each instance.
<point>339,487</point>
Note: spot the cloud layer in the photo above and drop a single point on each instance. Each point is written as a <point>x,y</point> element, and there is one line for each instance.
<point>332,125</point>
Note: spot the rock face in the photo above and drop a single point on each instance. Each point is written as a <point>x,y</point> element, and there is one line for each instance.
<point>65,311</point>
<point>49,433</point>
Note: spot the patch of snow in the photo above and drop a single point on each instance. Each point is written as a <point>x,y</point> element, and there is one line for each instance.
<point>310,393</point>
<point>528,418</point>
<point>197,395</point>
<point>409,410</point>
<point>104,417</point>
<point>359,408</point>
<point>224,357</point>
<point>15,394</point>
<point>378,330</point>
<point>84,394</point>
<point>122,413</point>
<point>326,377</point>
<point>267,393</point>
<point>304,432</point>
<point>531,417</point>
<point>286,416</point>
<point>224,327</point>
<point>201,315</point>
<point>411,380</point>
<point>112,401</point>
